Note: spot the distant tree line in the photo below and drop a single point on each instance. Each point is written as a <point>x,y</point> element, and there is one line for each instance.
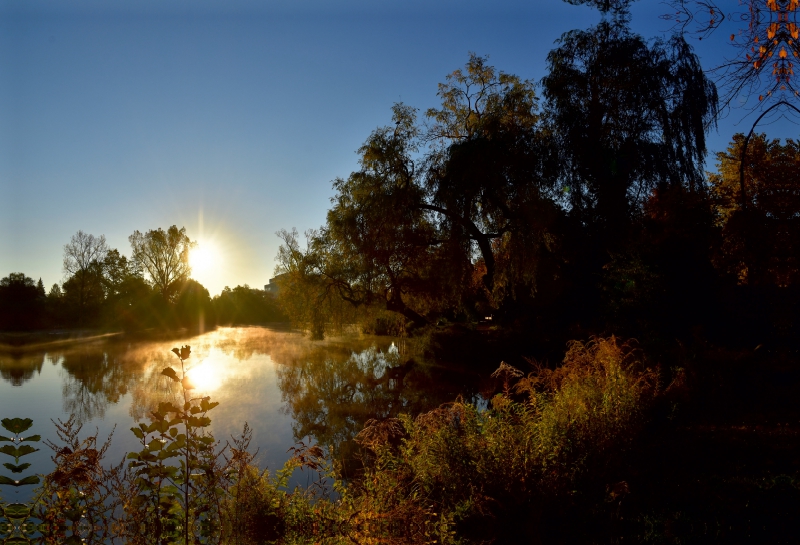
<point>587,212</point>
<point>105,289</point>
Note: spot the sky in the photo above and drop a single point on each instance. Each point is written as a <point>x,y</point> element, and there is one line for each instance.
<point>233,118</point>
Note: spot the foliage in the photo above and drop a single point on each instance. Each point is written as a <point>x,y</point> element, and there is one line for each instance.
<point>75,499</point>
<point>627,115</point>
<point>16,426</point>
<point>490,173</point>
<point>82,258</point>
<point>545,436</point>
<point>21,303</point>
<point>172,500</point>
<point>246,305</point>
<point>306,295</point>
<point>760,227</point>
<point>164,256</point>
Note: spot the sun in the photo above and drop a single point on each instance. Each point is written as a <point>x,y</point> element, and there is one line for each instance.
<point>203,258</point>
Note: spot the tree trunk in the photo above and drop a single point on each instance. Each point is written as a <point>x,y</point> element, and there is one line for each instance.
<point>395,303</point>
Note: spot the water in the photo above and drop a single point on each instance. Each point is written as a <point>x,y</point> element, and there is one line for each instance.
<point>285,386</point>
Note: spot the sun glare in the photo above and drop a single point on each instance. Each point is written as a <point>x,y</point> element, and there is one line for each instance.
<point>203,259</point>
<point>204,377</point>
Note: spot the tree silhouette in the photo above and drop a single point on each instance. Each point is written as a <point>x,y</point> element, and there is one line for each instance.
<point>164,256</point>
<point>82,256</point>
<point>627,116</point>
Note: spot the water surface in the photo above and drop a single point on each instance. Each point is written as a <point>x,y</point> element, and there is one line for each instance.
<point>285,386</point>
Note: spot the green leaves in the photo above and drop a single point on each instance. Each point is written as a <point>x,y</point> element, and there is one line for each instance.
<point>16,425</point>
<point>16,510</point>
<point>30,479</point>
<point>16,452</point>
<point>16,469</point>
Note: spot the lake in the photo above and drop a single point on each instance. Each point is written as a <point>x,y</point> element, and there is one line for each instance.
<point>287,387</point>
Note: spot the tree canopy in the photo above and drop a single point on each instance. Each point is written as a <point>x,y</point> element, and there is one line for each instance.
<point>164,256</point>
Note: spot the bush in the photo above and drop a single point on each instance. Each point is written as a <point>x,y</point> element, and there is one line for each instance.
<point>542,437</point>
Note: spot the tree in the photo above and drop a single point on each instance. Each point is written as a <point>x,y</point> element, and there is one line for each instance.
<point>376,246</point>
<point>84,295</point>
<point>308,294</point>
<point>193,305</point>
<point>164,256</point>
<point>759,241</point>
<point>20,303</point>
<point>82,255</point>
<point>626,116</point>
<point>491,173</point>
<point>126,293</point>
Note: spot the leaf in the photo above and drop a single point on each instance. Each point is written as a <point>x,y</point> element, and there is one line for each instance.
<point>138,432</point>
<point>4,438</point>
<point>17,452</point>
<point>16,469</point>
<point>32,438</point>
<point>199,422</point>
<point>166,408</point>
<point>16,425</point>
<point>30,479</point>
<point>170,372</point>
<point>207,405</point>
<point>17,511</point>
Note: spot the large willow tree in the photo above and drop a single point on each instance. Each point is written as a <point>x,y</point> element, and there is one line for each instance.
<point>628,116</point>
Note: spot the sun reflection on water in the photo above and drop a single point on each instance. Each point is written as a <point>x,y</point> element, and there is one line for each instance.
<point>205,377</point>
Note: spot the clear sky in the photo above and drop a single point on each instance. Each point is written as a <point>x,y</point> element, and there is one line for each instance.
<point>232,118</point>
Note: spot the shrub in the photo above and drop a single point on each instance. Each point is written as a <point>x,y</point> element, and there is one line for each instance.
<point>537,441</point>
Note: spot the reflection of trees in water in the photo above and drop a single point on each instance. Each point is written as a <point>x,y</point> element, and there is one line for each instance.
<point>152,388</point>
<point>95,377</point>
<point>20,367</point>
<point>331,399</point>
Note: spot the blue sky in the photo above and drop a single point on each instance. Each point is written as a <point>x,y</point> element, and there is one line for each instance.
<point>232,118</point>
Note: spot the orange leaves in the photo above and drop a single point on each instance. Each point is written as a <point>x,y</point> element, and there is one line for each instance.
<point>772,30</point>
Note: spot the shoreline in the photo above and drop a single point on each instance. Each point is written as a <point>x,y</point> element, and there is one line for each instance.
<point>12,341</point>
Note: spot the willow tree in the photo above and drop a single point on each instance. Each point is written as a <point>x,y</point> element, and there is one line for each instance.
<point>378,241</point>
<point>627,116</point>
<point>490,171</point>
